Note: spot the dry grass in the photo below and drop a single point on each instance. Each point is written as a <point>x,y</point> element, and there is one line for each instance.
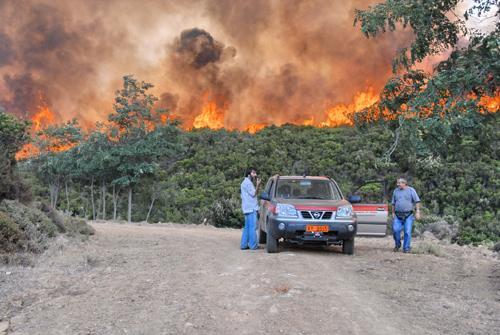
<point>427,247</point>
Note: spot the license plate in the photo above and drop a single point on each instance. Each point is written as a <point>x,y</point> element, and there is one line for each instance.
<point>317,229</point>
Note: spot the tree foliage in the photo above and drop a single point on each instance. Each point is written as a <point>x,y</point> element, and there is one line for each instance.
<point>432,108</point>
<point>13,134</point>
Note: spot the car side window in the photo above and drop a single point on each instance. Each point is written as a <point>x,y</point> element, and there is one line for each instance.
<point>269,187</point>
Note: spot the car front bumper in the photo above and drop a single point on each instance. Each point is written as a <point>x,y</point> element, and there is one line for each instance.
<point>294,230</point>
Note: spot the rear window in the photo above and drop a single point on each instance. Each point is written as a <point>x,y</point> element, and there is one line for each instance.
<point>306,189</point>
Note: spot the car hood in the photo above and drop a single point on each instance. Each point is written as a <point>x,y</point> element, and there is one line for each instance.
<point>315,204</point>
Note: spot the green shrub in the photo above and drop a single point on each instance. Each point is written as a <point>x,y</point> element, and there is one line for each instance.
<point>56,217</point>
<point>80,226</point>
<point>36,227</point>
<point>479,230</point>
<point>226,213</point>
<point>29,229</point>
<point>10,235</point>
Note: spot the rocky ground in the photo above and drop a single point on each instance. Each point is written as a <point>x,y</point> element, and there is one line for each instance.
<point>178,279</point>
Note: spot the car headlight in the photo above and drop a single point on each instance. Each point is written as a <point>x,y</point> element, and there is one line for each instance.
<point>344,211</point>
<point>285,210</point>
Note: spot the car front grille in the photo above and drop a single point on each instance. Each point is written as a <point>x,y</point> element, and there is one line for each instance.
<point>327,215</point>
<point>317,215</point>
<point>306,215</point>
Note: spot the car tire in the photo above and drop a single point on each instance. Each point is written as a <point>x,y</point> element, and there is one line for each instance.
<point>348,246</point>
<point>271,244</point>
<point>262,236</point>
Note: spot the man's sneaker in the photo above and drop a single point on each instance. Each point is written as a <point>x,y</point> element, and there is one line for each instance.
<point>396,249</point>
<point>406,251</point>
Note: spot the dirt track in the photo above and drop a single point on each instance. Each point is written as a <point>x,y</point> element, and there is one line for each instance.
<point>173,279</point>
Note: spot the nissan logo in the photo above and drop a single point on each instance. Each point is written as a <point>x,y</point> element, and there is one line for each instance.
<point>316,215</point>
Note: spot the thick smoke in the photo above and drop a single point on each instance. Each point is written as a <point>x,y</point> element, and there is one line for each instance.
<point>197,48</point>
<point>258,61</point>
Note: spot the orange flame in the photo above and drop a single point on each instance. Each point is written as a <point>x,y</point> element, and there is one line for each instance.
<point>341,114</point>
<point>211,116</point>
<point>254,128</point>
<point>308,122</point>
<point>43,118</point>
<point>27,151</point>
<point>492,104</point>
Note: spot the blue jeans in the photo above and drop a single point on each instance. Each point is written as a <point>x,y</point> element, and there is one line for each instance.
<point>249,236</point>
<point>397,226</point>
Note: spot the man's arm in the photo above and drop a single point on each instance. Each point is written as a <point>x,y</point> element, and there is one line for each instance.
<point>417,211</point>
<point>416,199</point>
<point>257,187</point>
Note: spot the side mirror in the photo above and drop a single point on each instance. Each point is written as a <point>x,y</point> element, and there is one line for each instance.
<point>354,199</point>
<point>265,196</point>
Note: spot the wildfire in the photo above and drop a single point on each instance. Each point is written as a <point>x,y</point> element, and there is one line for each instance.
<point>43,118</point>
<point>492,104</point>
<point>253,128</point>
<point>213,112</point>
<point>27,151</point>
<point>340,114</point>
<point>211,116</point>
<point>308,122</point>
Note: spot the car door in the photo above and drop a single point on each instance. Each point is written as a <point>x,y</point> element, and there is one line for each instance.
<point>264,204</point>
<point>373,210</point>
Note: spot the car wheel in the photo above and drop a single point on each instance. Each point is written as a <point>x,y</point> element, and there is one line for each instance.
<point>262,235</point>
<point>348,246</point>
<point>271,244</point>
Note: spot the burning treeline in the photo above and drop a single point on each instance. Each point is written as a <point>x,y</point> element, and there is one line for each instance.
<point>233,64</point>
<point>214,63</point>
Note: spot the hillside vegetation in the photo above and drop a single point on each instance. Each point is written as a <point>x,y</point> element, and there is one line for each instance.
<point>200,182</point>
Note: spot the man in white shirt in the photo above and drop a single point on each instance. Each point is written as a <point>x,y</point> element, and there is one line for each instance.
<point>250,206</point>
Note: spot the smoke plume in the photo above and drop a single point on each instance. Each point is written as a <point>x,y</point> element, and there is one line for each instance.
<point>239,62</point>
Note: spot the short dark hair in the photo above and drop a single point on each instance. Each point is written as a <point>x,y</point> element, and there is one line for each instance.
<point>403,179</point>
<point>249,170</point>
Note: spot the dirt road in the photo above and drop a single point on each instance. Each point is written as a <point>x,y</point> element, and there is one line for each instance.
<point>173,279</point>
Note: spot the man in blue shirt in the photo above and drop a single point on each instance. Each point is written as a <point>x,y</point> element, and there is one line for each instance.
<point>404,200</point>
<point>250,206</point>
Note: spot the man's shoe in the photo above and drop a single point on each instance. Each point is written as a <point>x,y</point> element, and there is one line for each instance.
<point>406,251</point>
<point>396,249</point>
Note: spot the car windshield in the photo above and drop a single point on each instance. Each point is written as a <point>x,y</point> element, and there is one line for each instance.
<point>306,189</point>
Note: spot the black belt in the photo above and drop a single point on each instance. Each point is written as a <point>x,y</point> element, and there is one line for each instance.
<point>403,215</point>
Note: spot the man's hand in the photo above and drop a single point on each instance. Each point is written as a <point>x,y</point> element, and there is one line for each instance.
<point>258,181</point>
